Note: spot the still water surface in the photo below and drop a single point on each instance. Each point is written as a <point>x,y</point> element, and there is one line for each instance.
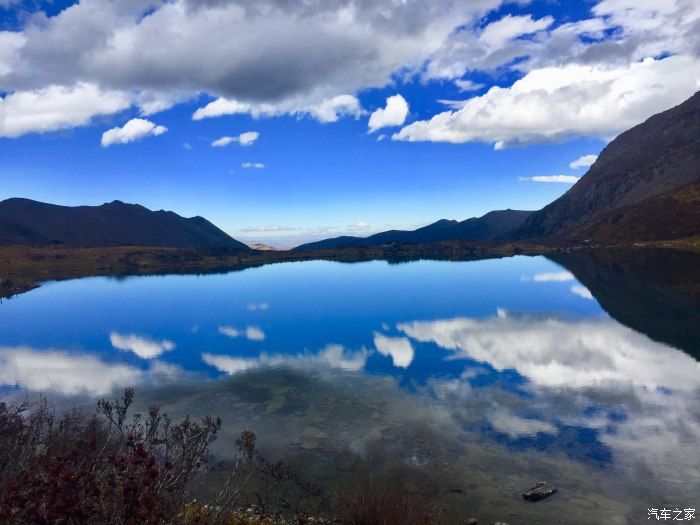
<point>476,378</point>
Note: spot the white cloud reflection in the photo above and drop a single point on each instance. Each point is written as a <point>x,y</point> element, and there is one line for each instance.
<point>73,373</point>
<point>398,348</point>
<point>553,352</point>
<point>334,356</point>
<point>143,347</point>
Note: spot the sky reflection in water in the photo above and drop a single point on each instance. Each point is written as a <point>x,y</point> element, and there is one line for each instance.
<point>515,351</point>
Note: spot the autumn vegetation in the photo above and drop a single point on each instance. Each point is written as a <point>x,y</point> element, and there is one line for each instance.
<point>111,466</point>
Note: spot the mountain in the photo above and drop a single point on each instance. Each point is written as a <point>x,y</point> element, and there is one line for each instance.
<point>645,185</point>
<point>653,291</point>
<point>491,226</point>
<point>28,222</point>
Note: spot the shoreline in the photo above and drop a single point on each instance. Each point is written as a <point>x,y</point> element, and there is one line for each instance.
<point>24,268</point>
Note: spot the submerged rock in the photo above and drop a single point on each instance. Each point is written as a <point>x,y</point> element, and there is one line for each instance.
<point>540,491</point>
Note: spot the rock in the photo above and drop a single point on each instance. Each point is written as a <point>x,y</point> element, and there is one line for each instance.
<point>540,491</point>
<point>471,521</point>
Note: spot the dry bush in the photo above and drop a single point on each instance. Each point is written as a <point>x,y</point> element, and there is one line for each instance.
<point>105,467</point>
<point>370,504</point>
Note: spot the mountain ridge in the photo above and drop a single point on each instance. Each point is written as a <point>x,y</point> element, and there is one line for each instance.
<point>489,227</point>
<point>34,223</point>
<point>640,169</point>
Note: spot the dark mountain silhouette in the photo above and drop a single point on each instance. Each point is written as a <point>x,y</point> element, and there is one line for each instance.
<point>28,222</point>
<point>490,227</point>
<point>645,185</point>
<point>653,291</point>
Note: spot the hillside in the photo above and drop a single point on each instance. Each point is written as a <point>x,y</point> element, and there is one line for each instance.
<point>491,226</point>
<point>32,223</point>
<point>645,185</point>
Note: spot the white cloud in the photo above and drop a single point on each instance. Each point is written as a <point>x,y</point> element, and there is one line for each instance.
<point>56,107</point>
<point>360,225</point>
<point>222,142</point>
<point>330,110</point>
<point>468,85</point>
<point>265,228</point>
<point>220,107</point>
<point>134,130</point>
<point>187,146</point>
<point>394,114</point>
<point>585,161</point>
<point>229,331</point>
<point>253,333</point>
<point>559,102</point>
<point>581,291</point>
<point>502,31</point>
<point>143,347</point>
<point>248,138</point>
<point>398,348</point>
<point>253,165</point>
<point>566,179</point>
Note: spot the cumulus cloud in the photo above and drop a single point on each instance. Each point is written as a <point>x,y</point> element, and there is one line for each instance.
<point>320,55</point>
<point>143,347</point>
<point>247,138</point>
<point>252,165</point>
<point>506,29</point>
<point>56,107</point>
<point>360,225</point>
<point>398,348</point>
<point>323,54</point>
<point>393,114</point>
<point>585,161</point>
<point>555,103</point>
<point>134,130</point>
<point>566,179</point>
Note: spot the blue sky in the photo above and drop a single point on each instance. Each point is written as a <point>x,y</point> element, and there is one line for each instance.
<point>496,94</point>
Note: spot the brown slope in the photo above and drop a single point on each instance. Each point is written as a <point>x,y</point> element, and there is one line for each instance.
<point>654,158</point>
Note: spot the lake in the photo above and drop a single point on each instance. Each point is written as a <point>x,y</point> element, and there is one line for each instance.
<point>476,378</point>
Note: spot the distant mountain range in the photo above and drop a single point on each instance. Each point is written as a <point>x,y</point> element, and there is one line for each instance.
<point>492,226</point>
<point>28,222</point>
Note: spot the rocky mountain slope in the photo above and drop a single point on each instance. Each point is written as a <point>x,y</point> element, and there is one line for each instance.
<point>645,185</point>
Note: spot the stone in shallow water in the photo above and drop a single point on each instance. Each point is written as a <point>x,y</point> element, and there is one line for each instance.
<point>540,491</point>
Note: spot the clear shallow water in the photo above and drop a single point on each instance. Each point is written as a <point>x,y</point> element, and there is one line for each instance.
<point>478,378</point>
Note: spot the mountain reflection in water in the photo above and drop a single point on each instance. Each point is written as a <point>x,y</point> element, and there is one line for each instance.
<point>476,378</point>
